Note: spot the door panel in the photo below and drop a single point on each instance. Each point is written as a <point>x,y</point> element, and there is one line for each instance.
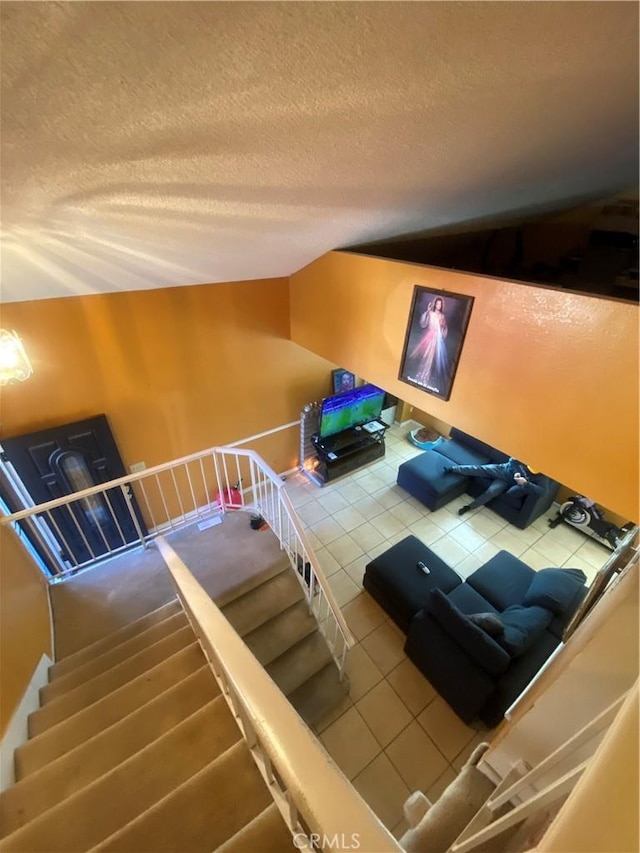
<point>56,462</point>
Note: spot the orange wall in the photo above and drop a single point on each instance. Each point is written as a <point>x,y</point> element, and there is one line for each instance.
<point>548,376</point>
<point>175,370</point>
<point>25,630</point>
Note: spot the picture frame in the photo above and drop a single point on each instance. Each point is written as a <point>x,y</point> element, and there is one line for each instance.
<point>434,339</point>
<point>342,380</point>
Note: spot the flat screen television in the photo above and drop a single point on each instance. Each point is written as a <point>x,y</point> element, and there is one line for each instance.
<point>350,409</point>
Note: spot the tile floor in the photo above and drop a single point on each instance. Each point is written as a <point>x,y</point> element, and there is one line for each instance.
<point>393,734</point>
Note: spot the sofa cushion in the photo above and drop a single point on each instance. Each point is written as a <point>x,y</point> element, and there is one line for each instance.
<point>554,589</point>
<point>502,581</point>
<point>522,627</point>
<point>468,600</point>
<point>459,454</point>
<point>475,642</point>
<point>490,623</point>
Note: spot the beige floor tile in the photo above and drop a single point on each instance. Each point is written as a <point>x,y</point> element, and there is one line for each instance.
<point>393,540</point>
<point>407,513</point>
<point>390,496</point>
<point>504,540</point>
<point>468,537</point>
<point>535,559</point>
<point>352,492</point>
<point>385,647</point>
<point>345,549</point>
<point>382,787</point>
<point>445,728</point>
<point>426,531</point>
<point>486,524</point>
<point>384,713</point>
<point>331,716</point>
<point>328,562</point>
<point>568,537</point>
<point>343,588</point>
<point>576,563</point>
<point>529,535</point>
<point>388,525</point>
<point>593,553</point>
<point>369,507</point>
<point>332,501</point>
<point>349,518</point>
<point>356,569</point>
<point>469,565</point>
<point>314,543</point>
<point>350,743</point>
<point>363,615</point>
<point>362,672</point>
<point>371,483</point>
<point>312,512</point>
<point>554,551</point>
<point>445,520</point>
<point>327,530</point>
<point>411,686</point>
<point>449,551</point>
<point>416,758</point>
<point>367,535</point>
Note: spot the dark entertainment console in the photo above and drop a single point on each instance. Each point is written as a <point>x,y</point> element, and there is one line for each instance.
<point>348,450</point>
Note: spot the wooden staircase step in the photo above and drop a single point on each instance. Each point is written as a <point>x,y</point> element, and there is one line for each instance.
<point>120,796</point>
<point>114,656</point>
<point>299,663</point>
<point>202,813</point>
<point>62,667</point>
<point>319,694</point>
<point>266,833</point>
<point>86,694</point>
<point>272,639</point>
<point>98,755</point>
<point>254,581</point>
<point>262,603</point>
<point>71,732</point>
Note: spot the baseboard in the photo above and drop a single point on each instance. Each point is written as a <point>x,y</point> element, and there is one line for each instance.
<point>17,732</point>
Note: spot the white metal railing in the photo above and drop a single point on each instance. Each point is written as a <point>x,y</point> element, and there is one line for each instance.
<point>321,808</point>
<point>105,520</point>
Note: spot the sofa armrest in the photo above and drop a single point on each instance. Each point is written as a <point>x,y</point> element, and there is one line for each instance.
<point>534,505</point>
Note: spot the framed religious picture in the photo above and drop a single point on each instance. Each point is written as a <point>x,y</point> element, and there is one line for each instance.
<point>433,341</point>
<point>342,380</point>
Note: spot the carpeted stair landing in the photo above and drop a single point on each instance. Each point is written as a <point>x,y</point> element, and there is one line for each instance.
<point>135,749</point>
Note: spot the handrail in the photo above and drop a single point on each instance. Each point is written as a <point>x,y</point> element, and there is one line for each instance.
<point>313,785</point>
<point>214,453</point>
<point>132,478</point>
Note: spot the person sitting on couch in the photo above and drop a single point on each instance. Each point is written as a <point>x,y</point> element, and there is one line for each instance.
<point>510,477</point>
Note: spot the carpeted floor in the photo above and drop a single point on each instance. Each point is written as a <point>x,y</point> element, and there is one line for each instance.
<point>115,593</point>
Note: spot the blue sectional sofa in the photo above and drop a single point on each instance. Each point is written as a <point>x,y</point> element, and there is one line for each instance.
<point>424,478</point>
<point>479,671</point>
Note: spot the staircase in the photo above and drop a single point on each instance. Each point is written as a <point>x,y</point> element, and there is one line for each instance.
<point>135,749</point>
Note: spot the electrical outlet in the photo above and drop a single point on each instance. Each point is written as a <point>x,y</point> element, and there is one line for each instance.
<point>137,467</point>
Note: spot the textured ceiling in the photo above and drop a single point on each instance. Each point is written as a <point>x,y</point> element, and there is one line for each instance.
<point>152,144</point>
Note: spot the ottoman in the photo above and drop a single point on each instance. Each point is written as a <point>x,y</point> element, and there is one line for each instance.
<point>399,586</point>
<point>424,478</point>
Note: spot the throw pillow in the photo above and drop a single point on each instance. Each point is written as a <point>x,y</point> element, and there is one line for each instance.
<point>489,622</point>
<point>554,589</point>
<point>478,645</point>
<point>522,627</point>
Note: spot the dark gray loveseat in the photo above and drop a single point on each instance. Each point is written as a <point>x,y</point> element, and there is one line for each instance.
<point>424,478</point>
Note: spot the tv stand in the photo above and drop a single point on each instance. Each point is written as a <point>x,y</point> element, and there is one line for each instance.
<point>346,451</point>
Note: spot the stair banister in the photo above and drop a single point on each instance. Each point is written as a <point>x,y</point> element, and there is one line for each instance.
<point>313,785</point>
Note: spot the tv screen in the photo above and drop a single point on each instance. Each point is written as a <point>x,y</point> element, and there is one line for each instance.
<point>350,409</point>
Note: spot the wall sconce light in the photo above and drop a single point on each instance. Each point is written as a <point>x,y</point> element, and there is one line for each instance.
<point>14,362</point>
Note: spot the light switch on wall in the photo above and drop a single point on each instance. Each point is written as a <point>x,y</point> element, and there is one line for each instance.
<point>137,467</point>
